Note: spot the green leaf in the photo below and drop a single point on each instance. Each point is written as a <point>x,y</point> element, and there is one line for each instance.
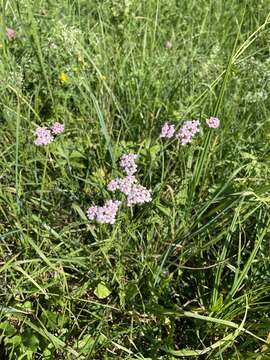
<point>186,352</point>
<point>85,345</point>
<point>50,319</point>
<point>101,291</point>
<point>30,340</point>
<point>7,328</point>
<point>218,304</point>
<point>14,340</point>
<point>154,151</point>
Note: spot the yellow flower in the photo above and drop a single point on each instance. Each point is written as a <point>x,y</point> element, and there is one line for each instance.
<point>63,77</point>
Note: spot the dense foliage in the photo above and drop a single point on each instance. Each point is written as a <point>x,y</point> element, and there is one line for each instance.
<point>185,275</point>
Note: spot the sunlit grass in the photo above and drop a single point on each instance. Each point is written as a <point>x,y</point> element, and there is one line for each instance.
<point>183,276</point>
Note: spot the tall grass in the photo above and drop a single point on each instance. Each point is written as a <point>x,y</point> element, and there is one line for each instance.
<point>185,276</point>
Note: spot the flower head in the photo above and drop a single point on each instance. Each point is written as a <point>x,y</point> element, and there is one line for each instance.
<point>63,78</point>
<point>138,195</point>
<point>128,185</point>
<point>124,185</point>
<point>105,214</point>
<point>167,131</point>
<point>192,126</point>
<point>10,33</point>
<point>127,163</point>
<point>113,185</point>
<point>57,128</point>
<point>92,212</point>
<point>43,136</point>
<point>213,122</point>
<point>188,130</point>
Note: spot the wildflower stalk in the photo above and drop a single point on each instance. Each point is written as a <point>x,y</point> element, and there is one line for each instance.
<point>18,125</point>
<point>43,181</point>
<point>162,163</point>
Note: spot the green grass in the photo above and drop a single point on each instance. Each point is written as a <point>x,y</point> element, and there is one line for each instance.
<point>185,276</point>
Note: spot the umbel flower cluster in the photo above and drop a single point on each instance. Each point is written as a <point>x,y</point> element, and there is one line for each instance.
<point>128,185</point>
<point>10,34</point>
<point>187,130</point>
<point>105,214</point>
<point>45,136</point>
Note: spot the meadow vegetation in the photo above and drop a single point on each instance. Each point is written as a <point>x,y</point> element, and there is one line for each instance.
<point>183,276</point>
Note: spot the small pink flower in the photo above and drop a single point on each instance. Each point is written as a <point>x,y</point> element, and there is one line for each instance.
<point>92,212</point>
<point>57,128</point>
<point>184,136</point>
<point>213,122</point>
<point>105,214</point>
<point>126,184</point>
<point>113,185</point>
<point>10,33</point>
<point>43,136</point>
<point>127,163</point>
<point>138,195</point>
<point>167,131</point>
<point>187,131</point>
<point>192,126</point>
<point>122,184</point>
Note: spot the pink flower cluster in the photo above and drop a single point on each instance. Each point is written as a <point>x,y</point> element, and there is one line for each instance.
<point>44,136</point>
<point>136,193</point>
<point>105,214</point>
<point>188,129</point>
<point>167,131</point>
<point>213,122</point>
<point>185,134</point>
<point>127,163</point>
<point>10,34</point>
<point>57,128</point>
<point>123,184</point>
